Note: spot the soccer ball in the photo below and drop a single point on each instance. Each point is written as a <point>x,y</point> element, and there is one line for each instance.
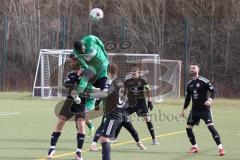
<point>96,14</point>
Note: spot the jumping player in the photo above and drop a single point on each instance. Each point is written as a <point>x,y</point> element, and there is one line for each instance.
<point>93,59</point>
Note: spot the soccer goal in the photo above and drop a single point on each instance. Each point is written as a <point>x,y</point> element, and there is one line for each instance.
<point>53,65</point>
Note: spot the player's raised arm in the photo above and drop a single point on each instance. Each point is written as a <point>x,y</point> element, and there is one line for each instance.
<point>99,94</point>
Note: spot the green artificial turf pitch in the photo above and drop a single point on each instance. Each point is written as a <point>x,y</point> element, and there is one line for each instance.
<point>26,125</point>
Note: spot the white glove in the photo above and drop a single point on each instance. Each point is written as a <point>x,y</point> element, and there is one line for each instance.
<point>77,100</point>
<point>75,97</point>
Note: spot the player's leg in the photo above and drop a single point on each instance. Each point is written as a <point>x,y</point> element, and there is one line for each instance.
<point>207,117</point>
<point>80,137</point>
<point>106,148</point>
<point>90,127</point>
<point>142,111</point>
<point>63,116</point>
<point>80,120</point>
<point>108,131</point>
<point>151,129</point>
<point>96,137</point>
<point>89,103</point>
<point>54,137</point>
<point>192,120</point>
<point>114,139</point>
<point>129,127</point>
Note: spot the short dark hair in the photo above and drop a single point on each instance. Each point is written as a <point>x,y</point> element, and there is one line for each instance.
<point>72,55</point>
<point>195,64</point>
<point>135,65</point>
<point>77,45</point>
<point>113,69</point>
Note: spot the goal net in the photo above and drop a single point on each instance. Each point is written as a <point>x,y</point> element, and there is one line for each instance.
<point>53,65</point>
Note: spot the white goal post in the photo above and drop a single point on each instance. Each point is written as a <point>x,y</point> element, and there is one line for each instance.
<point>164,76</point>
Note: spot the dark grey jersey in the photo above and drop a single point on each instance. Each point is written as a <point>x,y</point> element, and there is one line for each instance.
<point>115,97</point>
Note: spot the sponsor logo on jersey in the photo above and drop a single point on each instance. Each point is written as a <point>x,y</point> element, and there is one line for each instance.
<point>197,85</point>
<point>89,56</point>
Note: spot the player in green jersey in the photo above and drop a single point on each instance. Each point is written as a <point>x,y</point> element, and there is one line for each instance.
<point>92,57</point>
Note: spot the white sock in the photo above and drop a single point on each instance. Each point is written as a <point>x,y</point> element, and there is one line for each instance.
<point>79,150</point>
<point>195,146</point>
<point>220,146</point>
<point>52,147</point>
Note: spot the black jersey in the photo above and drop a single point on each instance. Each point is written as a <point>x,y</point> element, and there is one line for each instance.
<point>115,97</point>
<point>71,81</point>
<point>197,90</point>
<point>135,88</point>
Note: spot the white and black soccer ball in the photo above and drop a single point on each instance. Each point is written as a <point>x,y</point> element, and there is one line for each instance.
<point>96,14</point>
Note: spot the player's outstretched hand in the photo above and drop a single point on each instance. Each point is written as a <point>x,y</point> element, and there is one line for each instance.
<point>150,105</point>
<point>77,100</point>
<point>75,97</point>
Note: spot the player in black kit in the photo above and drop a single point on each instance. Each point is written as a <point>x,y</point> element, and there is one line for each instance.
<point>137,90</point>
<point>114,110</point>
<point>197,90</point>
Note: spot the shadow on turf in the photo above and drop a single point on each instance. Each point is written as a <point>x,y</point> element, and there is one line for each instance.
<point>201,153</point>
<point>27,140</point>
<point>182,155</point>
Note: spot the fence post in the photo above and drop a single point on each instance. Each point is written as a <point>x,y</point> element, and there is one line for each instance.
<point>186,52</point>
<point>63,32</point>
<point>4,55</point>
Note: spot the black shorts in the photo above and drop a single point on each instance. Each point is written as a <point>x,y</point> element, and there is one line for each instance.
<point>141,108</point>
<point>195,116</point>
<point>71,110</point>
<point>112,122</point>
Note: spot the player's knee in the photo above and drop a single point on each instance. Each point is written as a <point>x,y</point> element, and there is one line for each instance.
<point>147,118</point>
<point>104,139</point>
<point>61,121</point>
<point>209,124</point>
<point>81,125</point>
<point>189,127</point>
<point>62,118</point>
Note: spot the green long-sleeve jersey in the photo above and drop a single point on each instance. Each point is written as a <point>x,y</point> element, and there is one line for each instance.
<point>94,60</point>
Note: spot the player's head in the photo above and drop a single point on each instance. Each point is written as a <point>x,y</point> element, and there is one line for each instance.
<point>79,46</point>
<point>135,71</point>
<point>112,70</point>
<point>194,69</point>
<point>73,62</point>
